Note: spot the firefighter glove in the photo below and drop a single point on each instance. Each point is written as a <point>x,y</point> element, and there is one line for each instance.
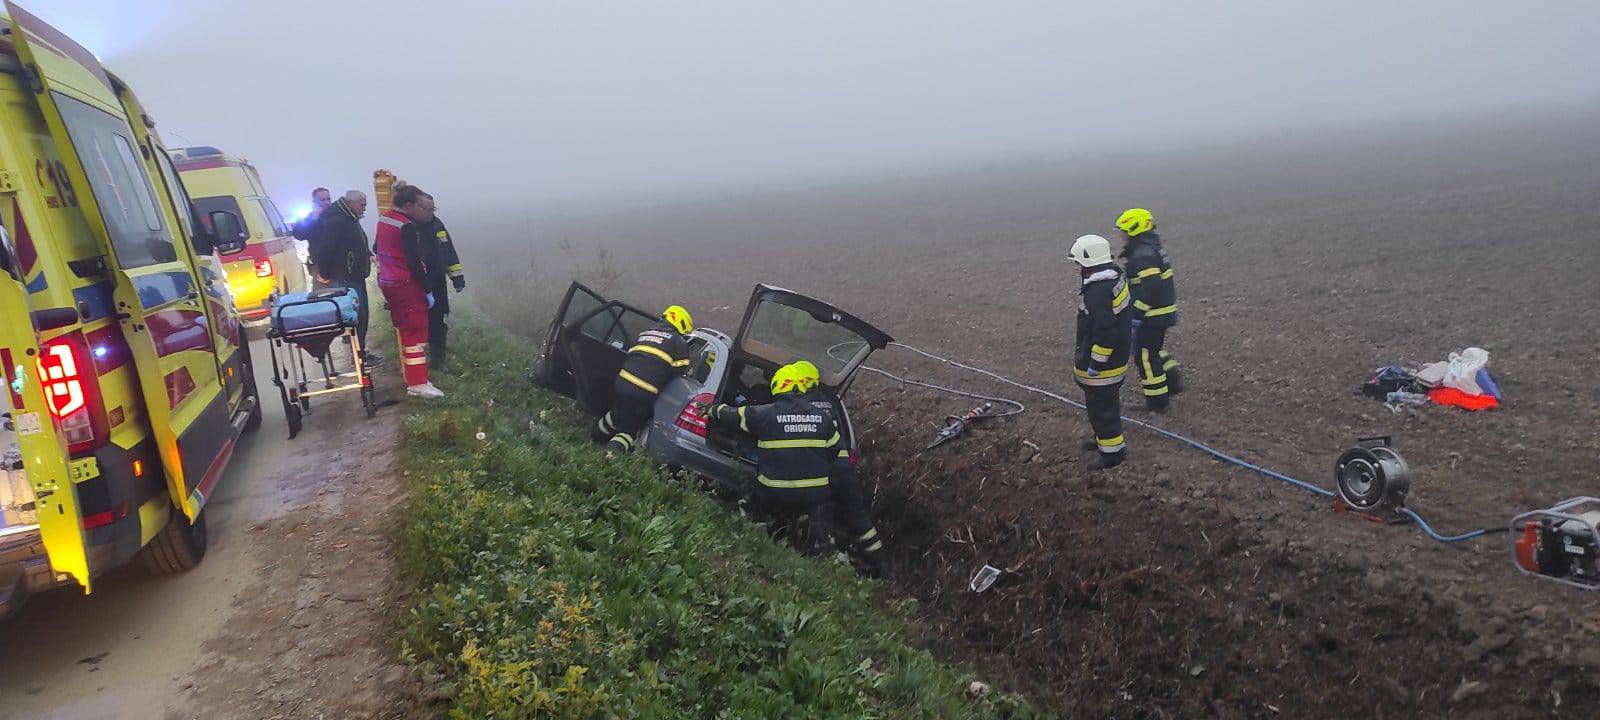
<point>429,296</point>
<point>460,281</point>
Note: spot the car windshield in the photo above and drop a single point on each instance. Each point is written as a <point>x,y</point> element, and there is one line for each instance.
<point>783,334</point>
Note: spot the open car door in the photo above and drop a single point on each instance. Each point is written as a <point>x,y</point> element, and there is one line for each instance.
<point>156,295</point>
<point>781,327</point>
<point>587,344</point>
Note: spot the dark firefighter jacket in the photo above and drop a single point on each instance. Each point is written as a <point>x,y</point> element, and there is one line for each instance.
<point>1104,328</point>
<point>1155,295</point>
<point>822,398</point>
<point>439,261</point>
<point>658,355</point>
<point>339,246</point>
<point>796,443</point>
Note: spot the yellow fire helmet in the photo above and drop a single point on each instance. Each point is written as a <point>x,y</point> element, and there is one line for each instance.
<point>807,375</point>
<point>679,318</point>
<point>1136,221</point>
<point>786,380</point>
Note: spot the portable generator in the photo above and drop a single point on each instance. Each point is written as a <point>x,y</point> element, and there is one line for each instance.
<point>1560,543</point>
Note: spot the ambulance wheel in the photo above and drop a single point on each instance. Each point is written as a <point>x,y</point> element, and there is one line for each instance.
<point>293,416</point>
<point>178,547</point>
<point>251,391</point>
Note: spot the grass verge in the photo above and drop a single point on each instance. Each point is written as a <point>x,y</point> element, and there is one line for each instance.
<point>549,580</point>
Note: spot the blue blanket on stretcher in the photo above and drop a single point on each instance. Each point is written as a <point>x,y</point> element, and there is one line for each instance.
<point>293,313</point>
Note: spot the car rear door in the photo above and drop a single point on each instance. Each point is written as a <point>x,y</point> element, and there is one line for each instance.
<point>156,294</point>
<point>781,327</point>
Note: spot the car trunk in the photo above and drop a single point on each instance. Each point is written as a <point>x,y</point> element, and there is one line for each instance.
<point>781,327</point>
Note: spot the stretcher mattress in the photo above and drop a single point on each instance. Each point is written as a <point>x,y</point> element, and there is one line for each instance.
<point>292,313</point>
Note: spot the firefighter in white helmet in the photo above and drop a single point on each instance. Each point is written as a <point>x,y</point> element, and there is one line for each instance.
<point>1104,340</point>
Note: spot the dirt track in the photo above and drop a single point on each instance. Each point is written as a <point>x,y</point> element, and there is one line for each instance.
<point>284,618</point>
<point>1300,270</point>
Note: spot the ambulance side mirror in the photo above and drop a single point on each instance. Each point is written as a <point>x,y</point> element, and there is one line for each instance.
<point>228,235</point>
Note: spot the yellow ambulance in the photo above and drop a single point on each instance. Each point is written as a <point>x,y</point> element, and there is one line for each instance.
<point>126,383</point>
<point>270,263</point>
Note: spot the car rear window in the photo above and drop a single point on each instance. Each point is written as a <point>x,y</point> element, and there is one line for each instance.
<point>796,335</point>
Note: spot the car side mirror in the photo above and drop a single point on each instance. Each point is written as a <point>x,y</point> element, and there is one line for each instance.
<point>228,235</point>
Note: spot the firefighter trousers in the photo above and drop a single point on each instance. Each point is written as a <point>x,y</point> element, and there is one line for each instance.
<point>408,308</point>
<point>1158,372</point>
<point>436,336</point>
<point>852,516</point>
<point>1105,416</point>
<point>630,412</point>
<point>794,517</point>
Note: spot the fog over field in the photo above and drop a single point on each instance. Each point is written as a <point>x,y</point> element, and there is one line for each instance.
<point>547,106</point>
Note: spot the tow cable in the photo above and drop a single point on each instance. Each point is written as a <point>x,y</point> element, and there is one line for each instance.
<point>1558,543</point>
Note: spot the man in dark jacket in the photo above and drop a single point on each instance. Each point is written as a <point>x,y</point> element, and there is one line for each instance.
<point>1155,307</point>
<point>442,267</point>
<point>342,257</point>
<point>306,228</point>
<point>1104,343</point>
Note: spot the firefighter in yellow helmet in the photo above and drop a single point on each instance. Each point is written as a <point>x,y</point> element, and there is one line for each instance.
<point>659,354</point>
<point>852,514</point>
<point>1155,307</point>
<point>796,443</point>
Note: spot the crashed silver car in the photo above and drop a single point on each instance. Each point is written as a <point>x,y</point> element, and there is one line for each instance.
<point>589,337</point>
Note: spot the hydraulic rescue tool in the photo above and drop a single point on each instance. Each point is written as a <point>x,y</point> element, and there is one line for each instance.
<point>955,425</point>
<point>1560,543</point>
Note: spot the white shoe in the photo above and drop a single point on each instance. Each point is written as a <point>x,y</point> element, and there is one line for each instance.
<point>425,390</point>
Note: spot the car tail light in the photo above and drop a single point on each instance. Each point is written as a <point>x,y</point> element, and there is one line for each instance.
<point>263,268</point>
<point>72,391</point>
<point>692,419</point>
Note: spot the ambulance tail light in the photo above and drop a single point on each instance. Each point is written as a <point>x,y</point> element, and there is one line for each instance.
<point>692,419</point>
<point>72,392</point>
<point>263,268</point>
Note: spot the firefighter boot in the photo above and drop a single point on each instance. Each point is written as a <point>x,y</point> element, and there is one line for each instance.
<point>1159,403</point>
<point>1174,381</point>
<point>868,563</point>
<point>1090,444</point>
<point>1106,461</point>
<point>620,444</point>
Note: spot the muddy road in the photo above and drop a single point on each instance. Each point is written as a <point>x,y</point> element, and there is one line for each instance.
<point>285,617</point>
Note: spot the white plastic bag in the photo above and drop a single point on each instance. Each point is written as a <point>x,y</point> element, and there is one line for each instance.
<point>1464,367</point>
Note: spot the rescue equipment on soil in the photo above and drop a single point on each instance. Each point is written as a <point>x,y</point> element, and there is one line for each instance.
<point>1372,477</point>
<point>954,425</point>
<point>1560,543</point>
<point>1407,512</point>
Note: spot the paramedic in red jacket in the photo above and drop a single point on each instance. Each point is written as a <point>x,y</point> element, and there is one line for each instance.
<point>402,277</point>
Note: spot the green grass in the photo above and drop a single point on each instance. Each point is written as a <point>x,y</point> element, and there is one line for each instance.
<point>548,580</point>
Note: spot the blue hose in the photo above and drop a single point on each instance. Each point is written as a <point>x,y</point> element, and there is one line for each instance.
<point>1480,532</point>
<point>1218,454</point>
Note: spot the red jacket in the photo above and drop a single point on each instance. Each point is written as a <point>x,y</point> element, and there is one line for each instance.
<point>399,253</point>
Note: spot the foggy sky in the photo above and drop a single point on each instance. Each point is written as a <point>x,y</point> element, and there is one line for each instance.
<point>540,103</point>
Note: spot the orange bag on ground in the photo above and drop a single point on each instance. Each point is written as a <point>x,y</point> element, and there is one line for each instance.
<point>1467,401</point>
